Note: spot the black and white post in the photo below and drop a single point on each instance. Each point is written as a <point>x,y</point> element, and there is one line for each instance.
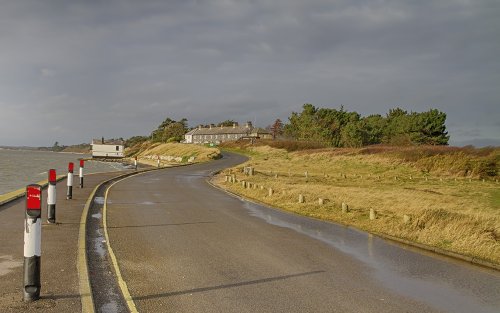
<point>51,197</point>
<point>32,243</point>
<point>135,163</point>
<point>69,194</point>
<point>82,164</point>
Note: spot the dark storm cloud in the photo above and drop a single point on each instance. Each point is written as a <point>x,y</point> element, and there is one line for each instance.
<point>84,69</point>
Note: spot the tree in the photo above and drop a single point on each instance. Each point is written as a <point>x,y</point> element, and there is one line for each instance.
<point>276,128</point>
<point>373,129</point>
<point>227,123</point>
<point>170,130</point>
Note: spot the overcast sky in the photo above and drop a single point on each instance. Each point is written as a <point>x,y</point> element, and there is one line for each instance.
<point>73,70</point>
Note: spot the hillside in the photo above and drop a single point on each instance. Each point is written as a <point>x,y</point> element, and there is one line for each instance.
<point>171,153</point>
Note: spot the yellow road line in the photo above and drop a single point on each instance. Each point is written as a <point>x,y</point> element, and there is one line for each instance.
<point>121,282</point>
<point>83,272</point>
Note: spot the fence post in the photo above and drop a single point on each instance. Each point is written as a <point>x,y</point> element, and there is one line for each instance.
<point>345,207</point>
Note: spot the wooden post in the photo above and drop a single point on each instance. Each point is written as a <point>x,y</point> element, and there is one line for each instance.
<point>406,219</point>
<point>301,198</point>
<point>345,207</point>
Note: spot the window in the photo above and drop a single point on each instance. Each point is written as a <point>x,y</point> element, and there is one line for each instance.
<point>117,148</point>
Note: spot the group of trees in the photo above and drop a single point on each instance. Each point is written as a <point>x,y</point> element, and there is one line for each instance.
<point>337,128</point>
<point>340,128</point>
<point>170,131</point>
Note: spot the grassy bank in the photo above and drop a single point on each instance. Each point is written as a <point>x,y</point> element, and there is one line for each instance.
<point>443,197</point>
<point>171,153</point>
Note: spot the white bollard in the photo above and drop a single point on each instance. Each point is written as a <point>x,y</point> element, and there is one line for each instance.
<point>32,243</point>
<point>270,192</point>
<point>135,163</point>
<point>373,214</point>
<point>51,197</point>
<point>69,183</point>
<point>321,201</point>
<point>82,164</point>
<point>301,198</point>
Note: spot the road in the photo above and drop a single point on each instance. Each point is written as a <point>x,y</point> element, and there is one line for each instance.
<point>184,246</point>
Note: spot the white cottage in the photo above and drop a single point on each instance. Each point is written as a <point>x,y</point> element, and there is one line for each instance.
<point>107,148</point>
<point>218,134</point>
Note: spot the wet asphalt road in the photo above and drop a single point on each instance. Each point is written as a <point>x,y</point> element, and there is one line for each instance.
<point>184,246</point>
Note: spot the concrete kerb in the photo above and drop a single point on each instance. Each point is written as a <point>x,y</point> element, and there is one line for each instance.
<point>453,255</point>
<point>121,282</point>
<point>86,297</point>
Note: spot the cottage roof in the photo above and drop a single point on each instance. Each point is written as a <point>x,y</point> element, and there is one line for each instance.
<point>112,142</point>
<point>259,130</point>
<point>217,130</point>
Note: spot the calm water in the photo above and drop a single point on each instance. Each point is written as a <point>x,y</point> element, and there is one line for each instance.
<point>21,168</point>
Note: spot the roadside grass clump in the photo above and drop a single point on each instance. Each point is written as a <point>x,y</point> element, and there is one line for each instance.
<point>434,207</point>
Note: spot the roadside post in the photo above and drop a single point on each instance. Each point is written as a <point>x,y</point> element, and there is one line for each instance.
<point>82,164</point>
<point>32,243</point>
<point>69,194</point>
<point>158,161</point>
<point>135,163</point>
<point>51,197</point>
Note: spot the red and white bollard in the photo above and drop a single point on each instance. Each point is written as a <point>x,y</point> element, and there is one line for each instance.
<point>32,243</point>
<point>82,163</point>
<point>69,194</point>
<point>51,197</point>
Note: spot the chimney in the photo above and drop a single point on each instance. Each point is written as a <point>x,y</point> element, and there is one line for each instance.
<point>199,127</point>
<point>102,140</point>
<point>248,125</point>
<point>234,125</point>
<point>210,126</point>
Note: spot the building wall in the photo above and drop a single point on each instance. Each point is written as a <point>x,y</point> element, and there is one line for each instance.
<point>215,138</point>
<point>99,150</point>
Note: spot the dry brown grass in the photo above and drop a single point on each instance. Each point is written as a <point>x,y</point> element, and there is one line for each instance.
<point>452,212</point>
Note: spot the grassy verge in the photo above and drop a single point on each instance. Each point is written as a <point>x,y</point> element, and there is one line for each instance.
<point>442,204</point>
<point>172,153</point>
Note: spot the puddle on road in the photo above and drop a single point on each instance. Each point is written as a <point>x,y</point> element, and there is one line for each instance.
<point>99,200</point>
<point>100,244</point>
<point>7,264</point>
<point>110,307</point>
<point>446,285</point>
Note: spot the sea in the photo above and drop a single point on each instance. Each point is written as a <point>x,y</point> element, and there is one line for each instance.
<point>19,168</point>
